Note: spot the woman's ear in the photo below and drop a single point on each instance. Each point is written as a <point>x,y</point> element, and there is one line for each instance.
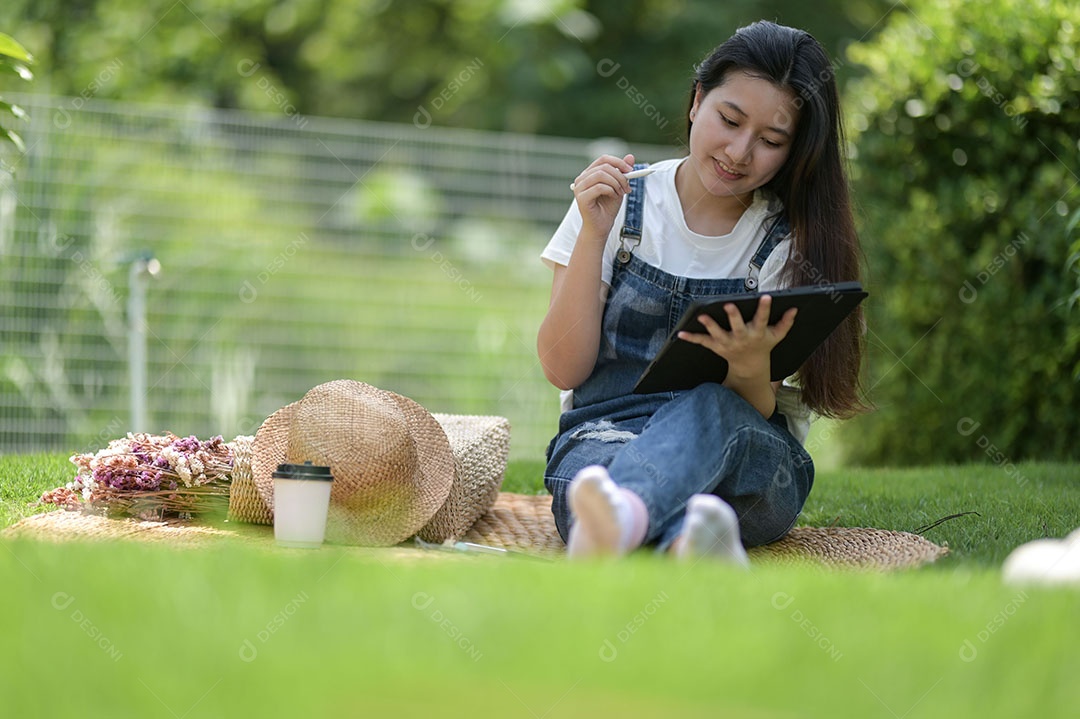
<point>697,101</point>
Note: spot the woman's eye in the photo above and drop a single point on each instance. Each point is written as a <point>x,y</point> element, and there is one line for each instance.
<point>770,143</point>
<point>728,120</point>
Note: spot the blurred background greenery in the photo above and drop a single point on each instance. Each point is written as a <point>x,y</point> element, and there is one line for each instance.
<point>962,120</point>
<point>380,60</point>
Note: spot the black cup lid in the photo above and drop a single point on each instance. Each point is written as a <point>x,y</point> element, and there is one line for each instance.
<point>307,470</point>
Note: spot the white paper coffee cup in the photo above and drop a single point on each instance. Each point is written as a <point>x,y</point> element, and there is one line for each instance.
<point>301,502</point>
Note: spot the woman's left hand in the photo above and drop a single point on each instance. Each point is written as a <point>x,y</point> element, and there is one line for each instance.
<point>746,346</point>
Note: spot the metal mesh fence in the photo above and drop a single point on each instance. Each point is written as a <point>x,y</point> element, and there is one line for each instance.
<point>292,251</point>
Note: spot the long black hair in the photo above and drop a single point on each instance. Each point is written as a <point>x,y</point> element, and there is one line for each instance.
<point>813,186</point>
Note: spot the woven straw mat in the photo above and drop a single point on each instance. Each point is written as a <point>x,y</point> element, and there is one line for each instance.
<point>518,522</point>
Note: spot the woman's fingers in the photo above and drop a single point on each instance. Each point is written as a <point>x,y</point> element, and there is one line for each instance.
<point>735,320</point>
<point>700,339</point>
<point>606,170</point>
<point>604,177</point>
<point>711,326</point>
<point>691,337</point>
<point>781,328</point>
<point>761,315</point>
<point>757,330</point>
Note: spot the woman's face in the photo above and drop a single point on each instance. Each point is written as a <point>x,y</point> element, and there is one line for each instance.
<point>741,134</point>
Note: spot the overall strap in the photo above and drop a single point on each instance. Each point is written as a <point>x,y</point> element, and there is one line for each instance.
<point>778,230</point>
<point>630,234</point>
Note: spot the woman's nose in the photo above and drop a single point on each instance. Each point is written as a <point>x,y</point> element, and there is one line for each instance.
<point>740,148</point>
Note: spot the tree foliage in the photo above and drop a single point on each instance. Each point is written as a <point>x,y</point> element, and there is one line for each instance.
<point>14,61</point>
<point>967,174</point>
<point>577,68</point>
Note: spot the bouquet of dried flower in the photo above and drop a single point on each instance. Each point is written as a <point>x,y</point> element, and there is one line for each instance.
<point>150,477</point>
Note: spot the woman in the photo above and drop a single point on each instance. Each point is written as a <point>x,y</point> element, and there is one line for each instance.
<point>760,203</point>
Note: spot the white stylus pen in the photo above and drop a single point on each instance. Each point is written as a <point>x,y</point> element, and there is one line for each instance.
<point>630,175</point>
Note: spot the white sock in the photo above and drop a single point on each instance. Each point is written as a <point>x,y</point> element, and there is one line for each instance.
<point>607,520</point>
<point>711,529</point>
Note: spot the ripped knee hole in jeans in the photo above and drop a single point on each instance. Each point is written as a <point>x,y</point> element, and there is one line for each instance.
<point>603,430</point>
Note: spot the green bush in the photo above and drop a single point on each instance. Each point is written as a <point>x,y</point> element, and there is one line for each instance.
<point>13,62</point>
<point>966,173</point>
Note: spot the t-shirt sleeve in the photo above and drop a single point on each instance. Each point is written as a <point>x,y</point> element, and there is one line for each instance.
<point>789,403</point>
<point>562,243</point>
<point>772,272</point>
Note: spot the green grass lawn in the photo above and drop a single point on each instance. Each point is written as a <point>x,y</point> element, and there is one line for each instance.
<point>136,630</point>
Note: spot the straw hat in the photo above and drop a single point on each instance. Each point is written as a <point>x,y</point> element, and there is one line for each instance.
<point>396,471</point>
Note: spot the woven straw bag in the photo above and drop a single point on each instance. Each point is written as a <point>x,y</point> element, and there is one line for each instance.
<point>480,446</point>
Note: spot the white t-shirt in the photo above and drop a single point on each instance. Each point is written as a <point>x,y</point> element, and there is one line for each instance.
<point>685,253</point>
<point>682,252</point>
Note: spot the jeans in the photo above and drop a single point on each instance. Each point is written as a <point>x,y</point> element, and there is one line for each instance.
<point>668,447</point>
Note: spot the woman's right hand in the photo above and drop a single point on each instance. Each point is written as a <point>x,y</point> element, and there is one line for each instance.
<point>599,191</point>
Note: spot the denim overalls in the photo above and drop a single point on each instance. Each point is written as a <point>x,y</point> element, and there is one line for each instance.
<point>668,446</point>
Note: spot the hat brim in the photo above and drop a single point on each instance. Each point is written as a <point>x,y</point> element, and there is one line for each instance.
<point>268,451</point>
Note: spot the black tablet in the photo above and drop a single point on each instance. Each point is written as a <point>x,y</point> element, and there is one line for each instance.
<point>681,365</point>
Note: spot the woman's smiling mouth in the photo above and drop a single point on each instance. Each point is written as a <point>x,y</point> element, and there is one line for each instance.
<point>725,172</point>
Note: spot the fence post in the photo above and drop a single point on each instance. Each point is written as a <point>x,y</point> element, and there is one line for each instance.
<point>142,266</point>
